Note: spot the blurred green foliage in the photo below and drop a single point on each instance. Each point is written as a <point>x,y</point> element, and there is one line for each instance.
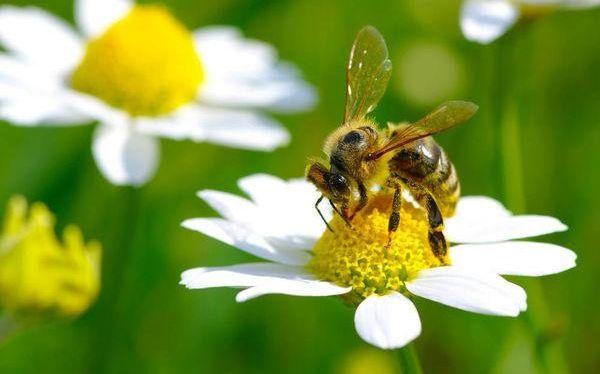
<point>549,70</point>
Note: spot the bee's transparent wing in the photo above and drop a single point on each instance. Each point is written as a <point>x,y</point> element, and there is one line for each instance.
<point>447,115</point>
<point>368,73</point>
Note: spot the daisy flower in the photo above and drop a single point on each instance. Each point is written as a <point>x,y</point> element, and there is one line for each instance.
<point>141,74</point>
<point>278,223</point>
<point>484,21</point>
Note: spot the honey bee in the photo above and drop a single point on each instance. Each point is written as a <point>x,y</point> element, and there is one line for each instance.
<point>404,155</point>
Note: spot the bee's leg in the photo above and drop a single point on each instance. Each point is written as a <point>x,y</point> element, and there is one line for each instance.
<point>437,241</point>
<point>343,213</point>
<point>362,202</point>
<point>394,220</point>
<point>321,214</point>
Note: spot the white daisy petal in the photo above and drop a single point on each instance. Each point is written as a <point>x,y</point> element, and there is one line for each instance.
<point>514,258</point>
<point>39,37</point>
<point>480,219</point>
<point>261,278</point>
<point>247,73</point>
<point>470,290</point>
<point>263,188</point>
<point>245,239</point>
<point>95,16</point>
<point>32,109</point>
<point>305,288</point>
<point>125,157</point>
<point>515,227</point>
<point>484,21</point>
<point>230,206</point>
<point>235,128</point>
<point>387,322</point>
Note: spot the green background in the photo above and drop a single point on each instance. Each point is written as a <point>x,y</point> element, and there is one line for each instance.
<point>539,94</point>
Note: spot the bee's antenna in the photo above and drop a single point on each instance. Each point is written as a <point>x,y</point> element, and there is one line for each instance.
<point>321,214</point>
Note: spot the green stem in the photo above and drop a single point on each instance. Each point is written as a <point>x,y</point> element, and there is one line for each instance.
<point>548,352</point>
<point>118,256</point>
<point>409,360</point>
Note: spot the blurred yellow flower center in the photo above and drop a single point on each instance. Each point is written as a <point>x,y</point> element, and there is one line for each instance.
<point>145,64</point>
<point>359,257</point>
<point>40,277</point>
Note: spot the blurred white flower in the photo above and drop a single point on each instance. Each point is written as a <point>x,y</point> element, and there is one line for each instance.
<point>279,224</point>
<point>484,21</point>
<point>137,71</point>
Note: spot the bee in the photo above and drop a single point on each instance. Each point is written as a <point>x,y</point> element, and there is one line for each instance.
<point>363,158</point>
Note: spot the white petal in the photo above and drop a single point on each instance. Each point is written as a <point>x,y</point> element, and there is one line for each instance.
<point>470,290</point>
<point>484,21</point>
<point>234,128</point>
<point>480,219</point>
<point>37,36</point>
<point>387,322</point>
<point>581,4</point>
<point>305,288</point>
<point>247,73</point>
<point>516,227</point>
<point>514,258</point>
<point>245,239</point>
<point>31,110</point>
<point>262,278</point>
<point>230,206</point>
<point>263,188</point>
<point>95,16</point>
<point>125,157</point>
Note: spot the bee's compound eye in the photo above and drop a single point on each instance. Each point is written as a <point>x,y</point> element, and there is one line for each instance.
<point>353,137</point>
<point>338,184</point>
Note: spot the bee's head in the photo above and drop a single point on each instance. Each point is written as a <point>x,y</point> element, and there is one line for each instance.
<point>332,184</point>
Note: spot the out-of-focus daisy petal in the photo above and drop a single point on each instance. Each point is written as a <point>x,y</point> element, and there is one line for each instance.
<point>245,239</point>
<point>124,156</point>
<point>468,289</point>
<point>39,37</point>
<point>581,4</point>
<point>484,21</point>
<point>514,258</point>
<point>387,322</point>
<point>95,16</point>
<point>262,278</point>
<point>482,220</point>
<point>31,109</point>
<point>234,128</point>
<point>247,73</point>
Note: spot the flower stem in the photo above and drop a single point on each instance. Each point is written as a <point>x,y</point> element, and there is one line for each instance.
<point>513,70</point>
<point>118,261</point>
<point>409,360</point>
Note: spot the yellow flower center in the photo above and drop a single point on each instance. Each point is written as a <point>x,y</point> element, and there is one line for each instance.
<point>360,257</point>
<point>145,64</point>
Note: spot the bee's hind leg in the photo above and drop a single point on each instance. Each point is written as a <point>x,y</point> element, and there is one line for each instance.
<point>394,220</point>
<point>437,241</point>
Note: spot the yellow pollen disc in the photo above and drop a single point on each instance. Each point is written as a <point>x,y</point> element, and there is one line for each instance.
<point>145,64</point>
<point>359,257</point>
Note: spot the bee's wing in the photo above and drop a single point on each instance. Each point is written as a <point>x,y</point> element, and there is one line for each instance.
<point>369,70</point>
<point>444,117</point>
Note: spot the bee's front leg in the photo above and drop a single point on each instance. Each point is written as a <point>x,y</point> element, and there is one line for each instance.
<point>363,200</point>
